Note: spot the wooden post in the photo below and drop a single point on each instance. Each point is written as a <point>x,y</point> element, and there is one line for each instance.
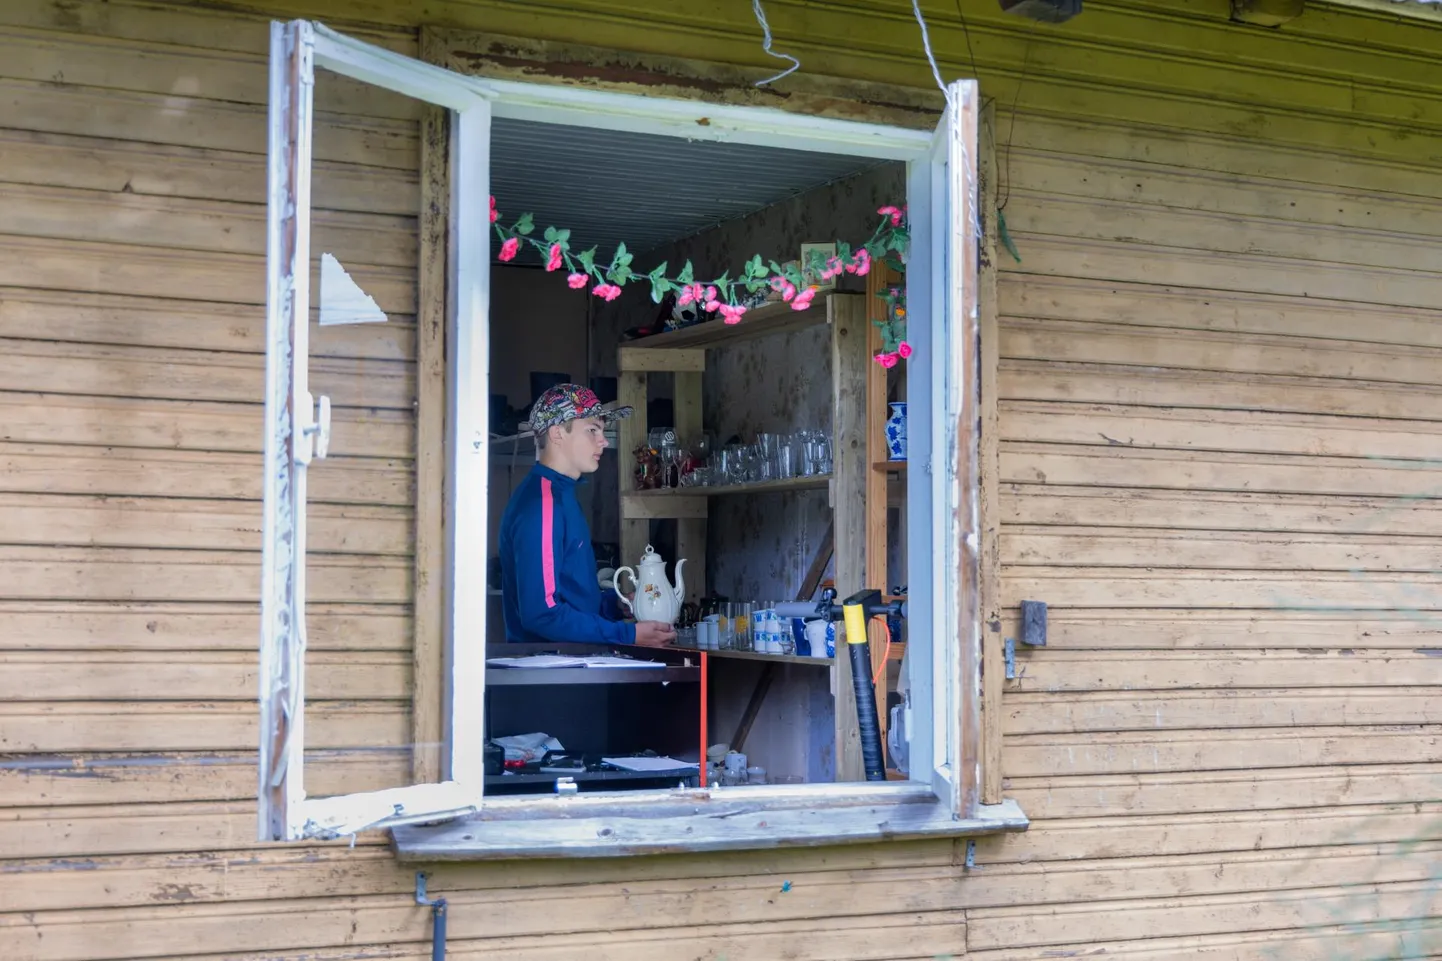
<point>961,293</point>
<point>631,432</point>
<point>690,531</point>
<point>849,475</point>
<point>877,478</point>
<point>428,651</point>
<point>992,664</point>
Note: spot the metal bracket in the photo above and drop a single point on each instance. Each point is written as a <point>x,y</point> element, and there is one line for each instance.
<point>312,429</point>
<point>1009,651</point>
<point>970,854</point>
<point>566,785</point>
<point>438,918</point>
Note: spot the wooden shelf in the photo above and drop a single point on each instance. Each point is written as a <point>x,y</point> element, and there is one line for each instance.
<point>774,658</point>
<point>691,501</point>
<point>814,482</point>
<point>889,466</point>
<point>763,321</point>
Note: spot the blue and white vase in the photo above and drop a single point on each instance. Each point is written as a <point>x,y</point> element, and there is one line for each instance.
<point>896,433</point>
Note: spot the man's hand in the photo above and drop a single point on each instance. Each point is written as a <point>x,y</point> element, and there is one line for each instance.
<point>654,634</point>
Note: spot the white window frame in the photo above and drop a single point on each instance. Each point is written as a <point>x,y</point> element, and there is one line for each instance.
<point>942,798</point>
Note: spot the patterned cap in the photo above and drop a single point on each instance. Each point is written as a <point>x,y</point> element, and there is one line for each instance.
<point>570,402</point>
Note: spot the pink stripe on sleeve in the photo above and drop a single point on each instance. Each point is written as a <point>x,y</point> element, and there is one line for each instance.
<point>548,552</point>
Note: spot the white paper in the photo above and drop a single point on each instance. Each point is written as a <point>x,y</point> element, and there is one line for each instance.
<point>602,660</point>
<point>537,660</point>
<point>341,299</point>
<point>650,764</point>
<point>563,660</point>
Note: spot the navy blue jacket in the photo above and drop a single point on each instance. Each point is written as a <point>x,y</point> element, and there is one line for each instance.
<point>549,592</point>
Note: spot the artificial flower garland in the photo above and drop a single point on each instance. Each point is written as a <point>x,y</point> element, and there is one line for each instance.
<point>888,243</point>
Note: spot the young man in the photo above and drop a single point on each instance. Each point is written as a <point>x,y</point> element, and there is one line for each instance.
<point>549,591</point>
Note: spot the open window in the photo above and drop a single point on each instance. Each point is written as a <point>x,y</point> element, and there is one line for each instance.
<point>941,506</point>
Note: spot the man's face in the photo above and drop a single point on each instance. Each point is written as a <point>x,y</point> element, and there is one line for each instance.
<point>581,446</point>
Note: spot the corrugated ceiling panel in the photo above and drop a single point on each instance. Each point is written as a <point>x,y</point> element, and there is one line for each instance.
<point>645,190</point>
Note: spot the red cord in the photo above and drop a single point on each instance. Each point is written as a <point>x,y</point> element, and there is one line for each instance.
<point>886,652</point>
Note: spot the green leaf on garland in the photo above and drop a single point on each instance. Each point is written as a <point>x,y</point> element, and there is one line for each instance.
<point>587,259</point>
<point>724,283</point>
<point>550,235</point>
<point>686,275</point>
<point>525,224</point>
<point>1006,240</point>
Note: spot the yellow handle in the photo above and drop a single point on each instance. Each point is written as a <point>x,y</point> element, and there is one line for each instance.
<point>855,615</point>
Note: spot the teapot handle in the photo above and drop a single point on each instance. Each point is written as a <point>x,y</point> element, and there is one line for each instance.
<point>616,586</point>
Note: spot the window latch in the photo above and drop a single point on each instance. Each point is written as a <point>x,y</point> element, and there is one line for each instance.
<point>312,430</point>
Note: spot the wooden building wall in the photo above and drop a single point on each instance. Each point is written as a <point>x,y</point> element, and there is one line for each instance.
<point>1217,410</point>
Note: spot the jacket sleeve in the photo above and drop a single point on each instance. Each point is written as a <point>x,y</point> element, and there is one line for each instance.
<point>537,546</point>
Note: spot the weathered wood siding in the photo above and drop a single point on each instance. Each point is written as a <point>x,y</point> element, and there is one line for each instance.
<point>1218,359</point>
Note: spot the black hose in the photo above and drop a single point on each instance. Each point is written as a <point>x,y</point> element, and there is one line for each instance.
<point>866,721</point>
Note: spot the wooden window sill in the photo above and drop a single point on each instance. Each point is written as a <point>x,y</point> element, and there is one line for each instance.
<point>694,821</point>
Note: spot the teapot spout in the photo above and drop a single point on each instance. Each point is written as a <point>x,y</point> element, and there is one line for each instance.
<point>680,583</point>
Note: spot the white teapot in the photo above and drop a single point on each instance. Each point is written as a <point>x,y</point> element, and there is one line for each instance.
<point>656,599</point>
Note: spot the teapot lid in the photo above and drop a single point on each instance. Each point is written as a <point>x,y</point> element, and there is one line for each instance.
<point>649,553</point>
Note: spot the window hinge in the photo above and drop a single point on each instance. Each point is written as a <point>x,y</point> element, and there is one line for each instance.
<point>1009,650</point>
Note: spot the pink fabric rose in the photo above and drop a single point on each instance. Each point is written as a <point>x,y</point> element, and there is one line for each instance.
<point>607,292</point>
<point>863,262</point>
<point>832,269</point>
<point>509,248</point>
<point>886,360</point>
<point>731,314</point>
<point>803,299</point>
<point>577,281</point>
<point>495,215</point>
<point>553,262</point>
<point>904,350</point>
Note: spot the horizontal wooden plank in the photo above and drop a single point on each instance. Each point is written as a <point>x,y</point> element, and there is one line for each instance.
<point>1152,879</point>
<point>141,271</point>
<point>1143,752</point>
<point>1044,797</point>
<point>160,170</point>
<point>1233,671</point>
<point>159,779</point>
<point>1025,380</point>
<point>1235,431</point>
<point>1121,836</point>
<point>272,872</point>
<point>1204,915</point>
<point>1183,228</point>
<point>1026,712</point>
<point>1225,311</point>
<point>84,521</point>
<point>138,472</point>
<point>1314,942</point>
<point>1193,510</point>
<point>120,574</point>
<point>1228,152</point>
<point>1317,591</point>
<point>1134,467</point>
<point>209,426</point>
<point>1131,630</point>
<point>117,727</point>
<point>67,213</point>
<point>79,626</point>
<point>198,676</point>
<point>841,933</point>
<point>1048,255</point>
<point>233,31</point>
<point>203,72</point>
<point>187,121</point>
<point>1230,352</point>
<point>97,318</point>
<point>1040,174</point>
<point>1097,547</point>
<point>152,372</point>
